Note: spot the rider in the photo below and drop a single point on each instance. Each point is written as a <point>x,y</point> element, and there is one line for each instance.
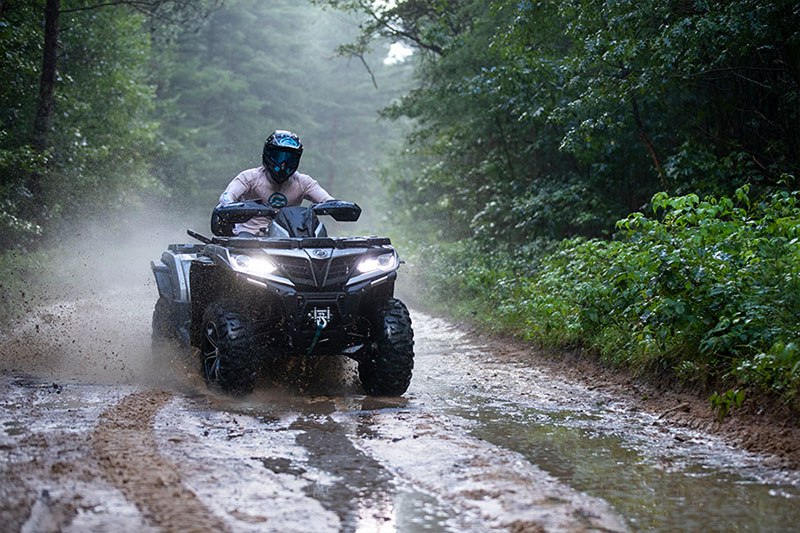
<point>277,182</point>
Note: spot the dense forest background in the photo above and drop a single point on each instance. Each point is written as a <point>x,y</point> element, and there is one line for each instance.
<point>554,119</point>
<point>617,176</point>
<point>162,102</point>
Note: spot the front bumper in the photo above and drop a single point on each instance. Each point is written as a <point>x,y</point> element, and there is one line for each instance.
<point>326,322</point>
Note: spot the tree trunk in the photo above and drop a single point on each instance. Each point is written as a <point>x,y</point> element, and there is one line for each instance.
<point>46,103</point>
<point>45,107</point>
<point>504,142</point>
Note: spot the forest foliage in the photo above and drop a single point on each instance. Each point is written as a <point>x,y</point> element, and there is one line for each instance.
<point>164,101</point>
<point>554,119</point>
<point>158,104</point>
<point>703,290</point>
<point>540,124</point>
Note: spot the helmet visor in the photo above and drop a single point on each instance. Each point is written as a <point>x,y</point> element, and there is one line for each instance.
<point>284,159</point>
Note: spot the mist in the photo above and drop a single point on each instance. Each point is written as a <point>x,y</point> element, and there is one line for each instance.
<point>255,67</point>
<point>86,313</point>
<point>81,305</point>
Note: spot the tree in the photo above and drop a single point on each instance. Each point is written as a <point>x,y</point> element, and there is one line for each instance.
<point>46,103</point>
<point>57,150</point>
<point>171,11</point>
<point>550,119</point>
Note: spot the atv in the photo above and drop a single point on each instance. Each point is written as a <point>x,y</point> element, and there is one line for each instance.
<point>241,303</point>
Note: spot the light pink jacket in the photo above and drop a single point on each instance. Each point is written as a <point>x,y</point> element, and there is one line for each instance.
<point>254,184</point>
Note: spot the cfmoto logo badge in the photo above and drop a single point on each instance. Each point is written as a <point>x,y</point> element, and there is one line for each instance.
<point>322,254</point>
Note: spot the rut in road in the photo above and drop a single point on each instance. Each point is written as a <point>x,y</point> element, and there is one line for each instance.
<point>125,448</point>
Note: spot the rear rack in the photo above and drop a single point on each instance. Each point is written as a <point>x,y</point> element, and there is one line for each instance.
<point>185,248</point>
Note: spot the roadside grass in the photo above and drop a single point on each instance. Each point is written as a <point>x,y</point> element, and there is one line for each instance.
<point>703,291</point>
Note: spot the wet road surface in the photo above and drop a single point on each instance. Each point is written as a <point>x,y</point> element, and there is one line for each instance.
<point>93,438</point>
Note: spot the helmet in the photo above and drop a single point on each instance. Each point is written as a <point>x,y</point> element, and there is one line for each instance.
<point>281,157</point>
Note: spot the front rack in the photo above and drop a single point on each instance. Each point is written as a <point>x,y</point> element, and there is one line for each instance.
<point>294,243</point>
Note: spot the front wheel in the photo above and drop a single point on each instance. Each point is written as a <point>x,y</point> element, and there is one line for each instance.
<point>387,371</point>
<point>227,354</point>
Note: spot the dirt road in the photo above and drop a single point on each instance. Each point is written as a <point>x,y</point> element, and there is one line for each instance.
<point>95,437</point>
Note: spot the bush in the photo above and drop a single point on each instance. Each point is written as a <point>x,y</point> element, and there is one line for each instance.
<point>705,290</point>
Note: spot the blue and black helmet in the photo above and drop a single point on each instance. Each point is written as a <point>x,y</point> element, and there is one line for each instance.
<point>281,157</point>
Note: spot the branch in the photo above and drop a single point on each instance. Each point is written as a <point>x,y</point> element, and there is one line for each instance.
<point>155,8</point>
<point>369,70</point>
<point>729,70</point>
<point>648,142</point>
<point>97,6</point>
<point>396,32</point>
<point>680,407</point>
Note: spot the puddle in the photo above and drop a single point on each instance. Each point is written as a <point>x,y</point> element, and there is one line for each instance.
<point>281,465</point>
<point>13,428</point>
<point>310,456</point>
<point>661,492</point>
<point>657,477</point>
<point>364,495</point>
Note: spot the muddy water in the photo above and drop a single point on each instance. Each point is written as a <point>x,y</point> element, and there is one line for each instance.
<point>475,445</point>
<point>395,465</point>
<point>657,477</point>
<point>651,494</point>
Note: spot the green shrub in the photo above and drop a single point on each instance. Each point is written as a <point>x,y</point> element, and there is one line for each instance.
<point>705,290</point>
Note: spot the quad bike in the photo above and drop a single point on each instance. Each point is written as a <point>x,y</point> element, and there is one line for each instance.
<point>240,303</point>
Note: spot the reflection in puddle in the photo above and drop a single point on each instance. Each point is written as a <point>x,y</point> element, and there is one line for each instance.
<point>357,488</point>
<point>362,492</point>
<point>663,493</point>
<point>656,478</point>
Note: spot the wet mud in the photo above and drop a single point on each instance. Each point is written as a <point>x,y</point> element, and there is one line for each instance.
<point>49,480</point>
<point>763,427</point>
<point>124,446</point>
<point>98,437</point>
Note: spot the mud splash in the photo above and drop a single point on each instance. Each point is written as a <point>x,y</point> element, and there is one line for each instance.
<point>86,312</point>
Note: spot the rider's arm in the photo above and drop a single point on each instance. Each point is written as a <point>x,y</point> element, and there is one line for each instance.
<point>314,192</point>
<point>235,190</point>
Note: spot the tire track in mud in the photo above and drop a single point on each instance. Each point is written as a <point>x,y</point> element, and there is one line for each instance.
<point>124,445</point>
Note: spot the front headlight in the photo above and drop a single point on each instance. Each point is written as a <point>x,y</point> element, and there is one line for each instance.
<point>381,263</point>
<point>256,266</point>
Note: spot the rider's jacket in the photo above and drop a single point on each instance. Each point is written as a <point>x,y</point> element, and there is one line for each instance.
<point>254,184</point>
